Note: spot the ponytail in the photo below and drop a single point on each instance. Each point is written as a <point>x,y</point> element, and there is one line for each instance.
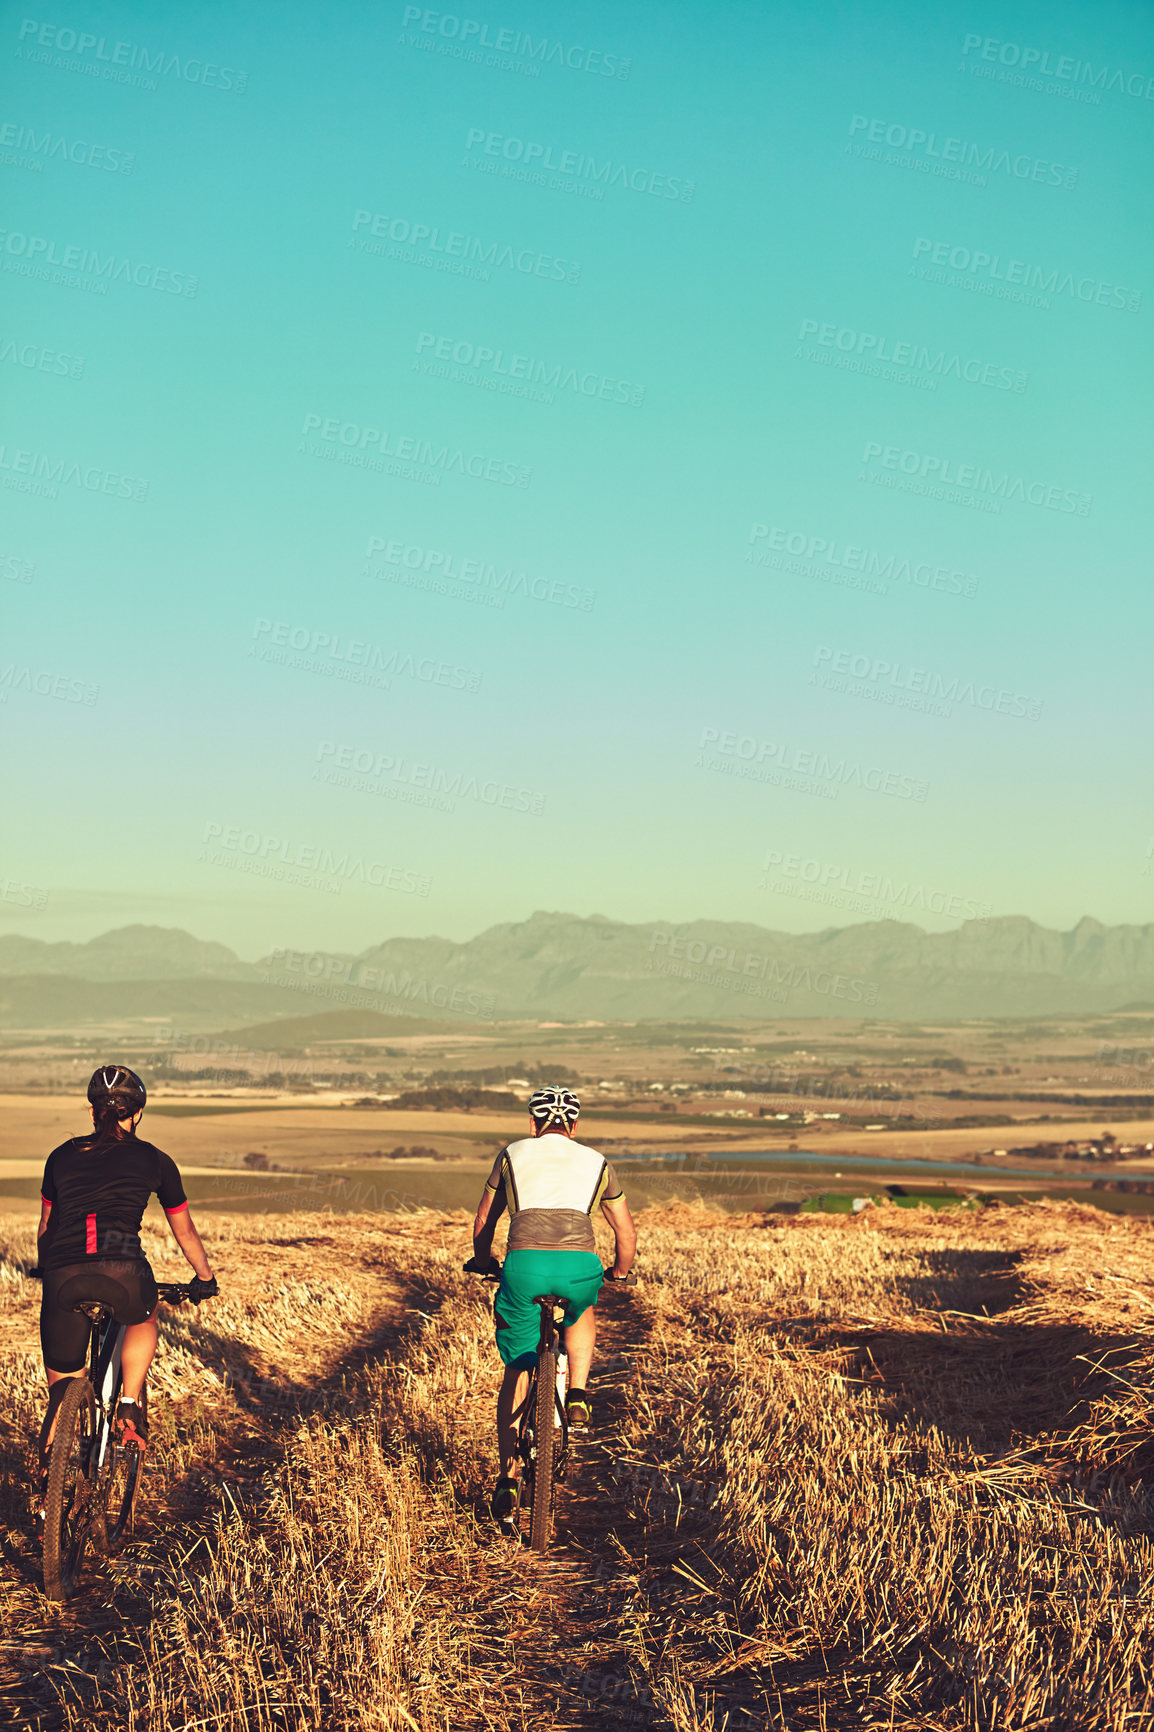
<point>107,1127</point>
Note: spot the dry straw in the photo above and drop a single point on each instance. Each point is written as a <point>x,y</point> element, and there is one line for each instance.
<point>884,1472</point>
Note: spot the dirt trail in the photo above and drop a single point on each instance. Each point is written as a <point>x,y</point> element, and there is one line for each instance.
<point>547,1631</point>
<point>563,1619</point>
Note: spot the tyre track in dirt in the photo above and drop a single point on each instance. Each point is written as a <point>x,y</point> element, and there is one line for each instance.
<point>52,1652</point>
<point>570,1622</point>
<point>552,1641</point>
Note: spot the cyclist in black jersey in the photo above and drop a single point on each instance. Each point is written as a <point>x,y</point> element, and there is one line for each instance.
<point>94,1194</point>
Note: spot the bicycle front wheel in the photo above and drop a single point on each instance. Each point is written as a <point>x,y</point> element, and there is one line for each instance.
<point>70,1506</point>
<point>545,1452</point>
<point>123,1469</point>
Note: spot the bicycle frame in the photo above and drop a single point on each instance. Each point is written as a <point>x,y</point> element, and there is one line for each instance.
<point>107,1343</point>
<point>105,1347</point>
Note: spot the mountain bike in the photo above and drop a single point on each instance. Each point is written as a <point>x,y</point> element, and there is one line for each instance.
<point>92,1480</point>
<point>543,1431</point>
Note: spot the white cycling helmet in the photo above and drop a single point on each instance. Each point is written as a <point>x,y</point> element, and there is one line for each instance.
<point>554,1106</point>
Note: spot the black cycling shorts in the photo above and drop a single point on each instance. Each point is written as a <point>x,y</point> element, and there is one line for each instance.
<point>128,1289</point>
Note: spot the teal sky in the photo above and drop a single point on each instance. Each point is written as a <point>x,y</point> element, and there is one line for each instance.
<point>634,624</point>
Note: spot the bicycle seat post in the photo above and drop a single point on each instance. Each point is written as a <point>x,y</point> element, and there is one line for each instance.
<point>551,1324</point>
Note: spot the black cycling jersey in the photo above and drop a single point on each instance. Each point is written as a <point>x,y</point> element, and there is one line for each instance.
<point>98,1193</point>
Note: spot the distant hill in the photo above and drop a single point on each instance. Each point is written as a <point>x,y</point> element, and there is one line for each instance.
<point>564,966</point>
<point>568,968</point>
<point>129,953</point>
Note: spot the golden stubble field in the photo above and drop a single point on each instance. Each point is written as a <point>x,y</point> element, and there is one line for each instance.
<point>202,1136</point>
<point>883,1472</point>
<point>207,1138</point>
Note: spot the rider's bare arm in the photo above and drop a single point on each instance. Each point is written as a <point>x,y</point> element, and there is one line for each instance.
<point>618,1216</point>
<point>489,1212</point>
<point>45,1211</point>
<point>187,1237</point>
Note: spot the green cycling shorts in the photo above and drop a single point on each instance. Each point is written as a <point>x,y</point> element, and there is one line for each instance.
<point>574,1276</point>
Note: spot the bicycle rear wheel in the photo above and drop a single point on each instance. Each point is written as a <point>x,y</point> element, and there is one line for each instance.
<point>122,1470</point>
<point>544,1452</point>
<point>70,1505</point>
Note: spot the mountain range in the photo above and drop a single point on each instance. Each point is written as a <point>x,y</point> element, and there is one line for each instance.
<point>569,967</point>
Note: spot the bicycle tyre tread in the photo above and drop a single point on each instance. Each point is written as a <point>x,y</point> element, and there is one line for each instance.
<point>61,1572</point>
<point>541,1512</point>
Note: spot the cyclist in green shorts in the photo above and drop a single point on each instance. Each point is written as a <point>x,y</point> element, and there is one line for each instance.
<point>551,1184</point>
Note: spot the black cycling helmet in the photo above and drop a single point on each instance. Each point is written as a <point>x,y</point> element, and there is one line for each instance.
<point>115,1085</point>
<point>553,1105</point>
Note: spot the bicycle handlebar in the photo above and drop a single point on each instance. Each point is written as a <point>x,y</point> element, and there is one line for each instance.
<point>174,1292</point>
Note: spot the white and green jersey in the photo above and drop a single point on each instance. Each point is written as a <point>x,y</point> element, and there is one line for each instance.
<point>551,1185</point>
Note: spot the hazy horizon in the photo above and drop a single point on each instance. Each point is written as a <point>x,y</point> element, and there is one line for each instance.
<point>304,945</point>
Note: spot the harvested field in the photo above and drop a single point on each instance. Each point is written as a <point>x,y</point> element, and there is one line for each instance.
<point>884,1471</point>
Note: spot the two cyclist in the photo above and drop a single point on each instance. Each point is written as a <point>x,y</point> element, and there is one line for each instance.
<point>96,1188</point>
<point>551,1185</point>
<point>94,1194</point>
